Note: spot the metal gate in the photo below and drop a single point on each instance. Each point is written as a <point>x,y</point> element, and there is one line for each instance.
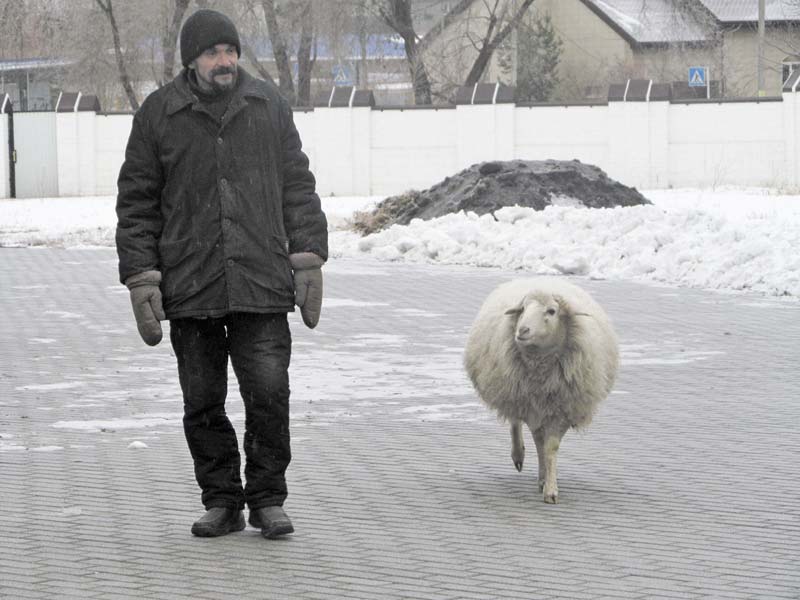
<point>35,173</point>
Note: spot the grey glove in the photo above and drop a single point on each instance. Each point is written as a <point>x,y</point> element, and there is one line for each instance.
<point>147,307</point>
<point>308,285</point>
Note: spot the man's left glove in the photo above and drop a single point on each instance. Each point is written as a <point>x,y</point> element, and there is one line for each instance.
<point>147,307</point>
<point>308,285</point>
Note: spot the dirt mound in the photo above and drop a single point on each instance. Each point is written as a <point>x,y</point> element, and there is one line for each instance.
<point>485,187</point>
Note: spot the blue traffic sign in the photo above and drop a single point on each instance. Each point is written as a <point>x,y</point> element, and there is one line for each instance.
<point>697,77</point>
<point>342,74</point>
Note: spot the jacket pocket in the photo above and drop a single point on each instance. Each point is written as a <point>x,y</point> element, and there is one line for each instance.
<point>173,253</point>
<point>280,250</point>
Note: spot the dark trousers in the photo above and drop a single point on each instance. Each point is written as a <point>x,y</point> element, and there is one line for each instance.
<point>260,347</point>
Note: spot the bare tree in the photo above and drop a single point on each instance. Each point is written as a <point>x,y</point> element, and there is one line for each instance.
<point>305,55</point>
<point>28,28</point>
<point>124,78</point>
<point>170,38</point>
<point>482,34</point>
<point>397,15</point>
<point>498,17</point>
<point>12,27</point>
<point>291,29</point>
<point>279,50</point>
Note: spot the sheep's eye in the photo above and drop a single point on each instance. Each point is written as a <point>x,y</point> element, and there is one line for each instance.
<point>551,311</point>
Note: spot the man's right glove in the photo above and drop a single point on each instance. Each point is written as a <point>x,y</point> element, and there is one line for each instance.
<point>308,285</point>
<point>147,307</point>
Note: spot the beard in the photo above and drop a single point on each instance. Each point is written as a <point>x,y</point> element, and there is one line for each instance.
<point>216,86</point>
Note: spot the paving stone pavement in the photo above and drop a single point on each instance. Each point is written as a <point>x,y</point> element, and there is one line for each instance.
<point>687,484</point>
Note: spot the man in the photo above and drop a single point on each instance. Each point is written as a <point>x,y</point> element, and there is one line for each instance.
<point>219,219</point>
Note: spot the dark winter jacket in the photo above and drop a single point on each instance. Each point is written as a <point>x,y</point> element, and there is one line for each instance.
<point>217,209</point>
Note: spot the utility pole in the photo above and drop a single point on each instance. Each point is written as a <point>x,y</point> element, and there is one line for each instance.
<point>760,66</point>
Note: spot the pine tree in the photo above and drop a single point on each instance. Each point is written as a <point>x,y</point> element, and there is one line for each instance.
<point>538,53</point>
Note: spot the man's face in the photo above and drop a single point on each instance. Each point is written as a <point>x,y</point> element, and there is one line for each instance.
<point>216,68</point>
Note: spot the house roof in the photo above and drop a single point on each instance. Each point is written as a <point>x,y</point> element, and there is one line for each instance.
<point>651,21</point>
<point>746,11</point>
<point>32,64</point>
<point>661,22</point>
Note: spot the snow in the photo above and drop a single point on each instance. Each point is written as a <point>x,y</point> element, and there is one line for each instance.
<point>139,422</point>
<point>726,239</point>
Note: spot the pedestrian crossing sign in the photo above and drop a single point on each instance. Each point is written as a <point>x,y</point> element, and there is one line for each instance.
<point>697,77</point>
<point>342,75</point>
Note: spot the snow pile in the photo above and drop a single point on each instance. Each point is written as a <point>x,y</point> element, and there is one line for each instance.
<point>487,187</point>
<point>725,248</point>
<point>727,239</point>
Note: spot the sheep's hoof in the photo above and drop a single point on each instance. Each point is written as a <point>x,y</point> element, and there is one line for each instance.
<point>551,498</point>
<point>518,456</point>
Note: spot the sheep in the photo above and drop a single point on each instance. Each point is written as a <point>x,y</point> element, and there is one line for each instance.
<point>541,351</point>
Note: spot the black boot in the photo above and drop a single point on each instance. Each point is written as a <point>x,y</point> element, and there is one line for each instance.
<point>272,521</point>
<point>218,521</point>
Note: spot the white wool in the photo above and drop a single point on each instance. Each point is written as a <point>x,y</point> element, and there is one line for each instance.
<point>542,352</point>
<point>568,381</point>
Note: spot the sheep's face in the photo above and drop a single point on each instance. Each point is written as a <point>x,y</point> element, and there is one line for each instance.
<point>538,323</point>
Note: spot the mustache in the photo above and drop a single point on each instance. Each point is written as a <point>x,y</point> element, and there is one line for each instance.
<point>223,71</point>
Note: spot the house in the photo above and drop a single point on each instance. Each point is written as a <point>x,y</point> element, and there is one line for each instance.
<point>606,41</point>
<point>609,41</point>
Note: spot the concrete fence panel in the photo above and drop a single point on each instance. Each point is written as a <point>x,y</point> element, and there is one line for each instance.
<point>411,149</point>
<point>562,133</point>
<point>36,145</point>
<point>5,175</point>
<point>728,144</point>
<point>364,150</point>
<point>111,137</point>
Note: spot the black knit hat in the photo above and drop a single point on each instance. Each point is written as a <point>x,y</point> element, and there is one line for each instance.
<point>204,29</point>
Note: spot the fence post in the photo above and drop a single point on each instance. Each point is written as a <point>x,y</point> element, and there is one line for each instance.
<point>5,159</point>
<point>361,105</point>
<point>341,134</point>
<point>76,116</point>
<point>638,144</point>
<point>484,123</point>
<point>791,129</point>
<point>658,103</point>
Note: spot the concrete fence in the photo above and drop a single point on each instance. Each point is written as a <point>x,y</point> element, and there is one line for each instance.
<point>357,149</point>
<point>5,160</point>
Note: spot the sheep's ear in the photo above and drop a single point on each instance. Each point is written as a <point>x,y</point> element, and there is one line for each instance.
<point>516,310</point>
<point>566,309</point>
<point>563,305</point>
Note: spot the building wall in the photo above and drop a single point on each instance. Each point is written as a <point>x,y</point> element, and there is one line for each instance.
<point>741,48</point>
<point>363,151</point>
<point>592,50</point>
<point>669,66</point>
<point>595,54</point>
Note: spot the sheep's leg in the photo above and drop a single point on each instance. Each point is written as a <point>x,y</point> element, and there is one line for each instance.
<point>551,435</point>
<point>517,445</point>
<point>538,438</point>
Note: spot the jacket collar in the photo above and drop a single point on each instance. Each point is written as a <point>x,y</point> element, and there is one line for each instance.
<point>180,94</point>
